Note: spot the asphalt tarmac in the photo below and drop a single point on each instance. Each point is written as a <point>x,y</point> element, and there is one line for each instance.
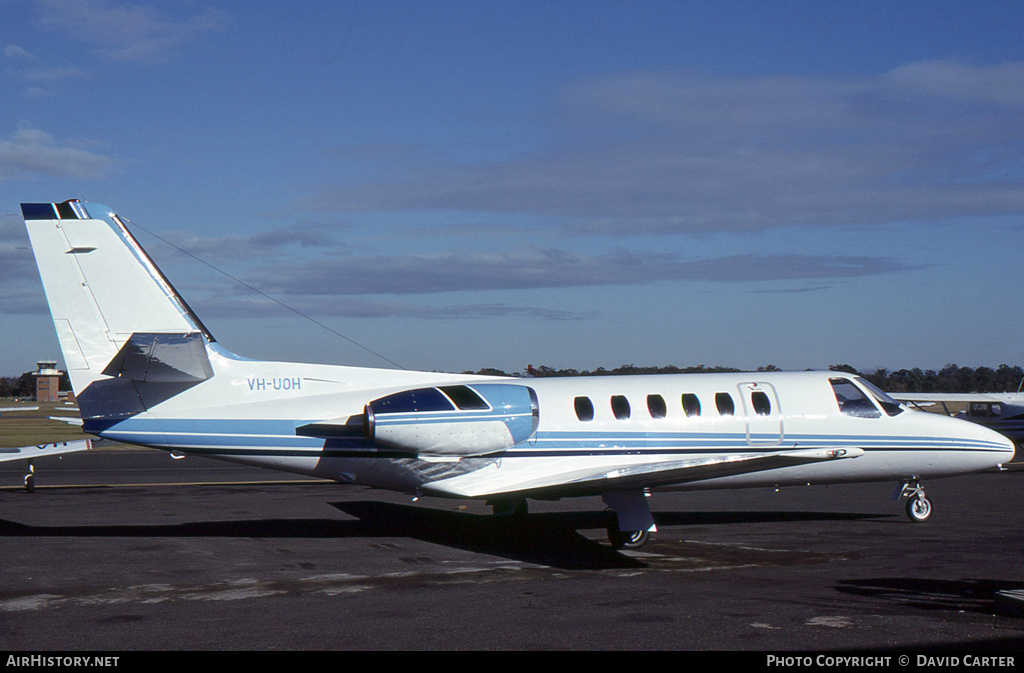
<point>128,551</point>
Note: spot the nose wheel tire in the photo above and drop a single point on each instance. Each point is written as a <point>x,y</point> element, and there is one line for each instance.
<point>919,509</point>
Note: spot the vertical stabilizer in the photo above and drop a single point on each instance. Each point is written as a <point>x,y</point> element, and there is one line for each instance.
<point>101,285</point>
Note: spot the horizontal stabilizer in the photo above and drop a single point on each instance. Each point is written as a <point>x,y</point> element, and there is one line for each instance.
<point>70,420</point>
<point>147,370</point>
<point>162,358</point>
<point>39,450</point>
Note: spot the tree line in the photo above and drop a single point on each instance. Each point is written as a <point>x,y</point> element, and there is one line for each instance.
<point>950,379</point>
<point>24,386</point>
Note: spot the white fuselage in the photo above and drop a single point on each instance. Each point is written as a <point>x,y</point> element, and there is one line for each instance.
<point>267,401</point>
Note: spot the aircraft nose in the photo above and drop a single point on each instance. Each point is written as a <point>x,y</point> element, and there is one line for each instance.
<point>1000,447</point>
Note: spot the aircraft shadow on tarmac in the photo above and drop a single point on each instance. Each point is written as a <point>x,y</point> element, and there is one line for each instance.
<point>550,539</point>
<point>962,595</point>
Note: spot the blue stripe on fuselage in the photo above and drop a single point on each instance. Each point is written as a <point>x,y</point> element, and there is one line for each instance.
<point>278,436</point>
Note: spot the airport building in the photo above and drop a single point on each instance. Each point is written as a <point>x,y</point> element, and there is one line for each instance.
<point>47,381</point>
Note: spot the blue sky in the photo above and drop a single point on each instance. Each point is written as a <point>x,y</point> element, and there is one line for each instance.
<point>457,185</point>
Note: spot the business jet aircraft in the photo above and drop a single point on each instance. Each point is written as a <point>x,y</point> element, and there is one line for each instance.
<point>146,371</point>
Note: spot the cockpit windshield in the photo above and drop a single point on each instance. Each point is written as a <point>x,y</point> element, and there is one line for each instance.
<point>888,404</point>
<point>852,400</point>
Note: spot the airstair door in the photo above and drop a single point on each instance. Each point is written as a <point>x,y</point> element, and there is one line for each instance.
<point>762,412</point>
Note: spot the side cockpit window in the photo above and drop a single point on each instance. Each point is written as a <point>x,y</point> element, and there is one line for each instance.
<point>852,400</point>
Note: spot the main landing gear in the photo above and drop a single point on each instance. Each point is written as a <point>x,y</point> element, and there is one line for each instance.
<point>625,539</point>
<point>918,507</point>
<point>630,523</point>
<point>514,508</point>
<point>30,478</point>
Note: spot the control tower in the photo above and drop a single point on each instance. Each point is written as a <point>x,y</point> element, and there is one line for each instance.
<point>47,381</point>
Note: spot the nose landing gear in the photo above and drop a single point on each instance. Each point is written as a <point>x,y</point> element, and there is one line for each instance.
<point>918,507</point>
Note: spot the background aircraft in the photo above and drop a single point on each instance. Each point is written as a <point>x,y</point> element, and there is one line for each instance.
<point>9,415</point>
<point>1003,412</point>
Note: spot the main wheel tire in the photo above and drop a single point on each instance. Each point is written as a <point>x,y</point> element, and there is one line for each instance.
<point>628,539</point>
<point>515,508</point>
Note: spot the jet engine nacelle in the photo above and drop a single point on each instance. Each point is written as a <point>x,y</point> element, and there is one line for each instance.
<point>459,420</point>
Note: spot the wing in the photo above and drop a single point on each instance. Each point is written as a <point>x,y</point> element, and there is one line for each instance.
<point>36,451</point>
<point>485,482</point>
<point>948,397</point>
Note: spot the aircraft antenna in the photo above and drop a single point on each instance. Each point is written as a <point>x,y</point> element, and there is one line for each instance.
<point>262,293</point>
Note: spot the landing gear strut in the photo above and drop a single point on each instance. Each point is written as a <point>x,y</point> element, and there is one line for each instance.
<point>30,478</point>
<point>918,507</point>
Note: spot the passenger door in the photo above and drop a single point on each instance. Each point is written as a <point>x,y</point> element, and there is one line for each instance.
<point>762,413</point>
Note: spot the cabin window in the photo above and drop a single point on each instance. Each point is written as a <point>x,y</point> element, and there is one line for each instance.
<point>691,404</point>
<point>984,410</point>
<point>620,407</point>
<point>852,400</point>
<point>762,405</point>
<point>584,408</point>
<point>726,407</point>
<point>656,405</point>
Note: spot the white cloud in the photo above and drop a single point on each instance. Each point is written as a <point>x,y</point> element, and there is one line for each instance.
<point>653,153</point>
<point>27,67</point>
<point>16,52</point>
<point>534,268</point>
<point>48,75</point>
<point>127,31</point>
<point>31,153</point>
